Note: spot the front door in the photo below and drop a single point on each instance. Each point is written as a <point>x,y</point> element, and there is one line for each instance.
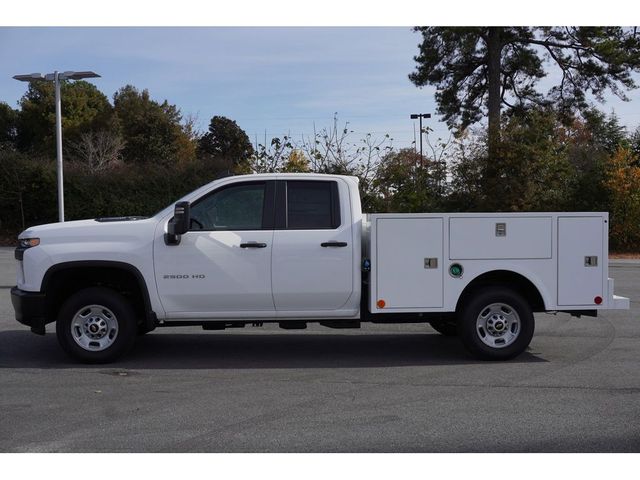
<point>222,266</point>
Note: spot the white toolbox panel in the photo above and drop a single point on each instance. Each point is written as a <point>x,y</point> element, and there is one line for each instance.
<point>404,247</point>
<point>580,237</point>
<point>476,238</point>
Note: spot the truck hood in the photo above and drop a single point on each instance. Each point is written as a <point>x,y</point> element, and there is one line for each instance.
<point>99,229</point>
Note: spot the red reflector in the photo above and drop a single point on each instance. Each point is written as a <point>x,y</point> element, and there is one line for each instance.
<point>597,300</point>
<point>381,303</point>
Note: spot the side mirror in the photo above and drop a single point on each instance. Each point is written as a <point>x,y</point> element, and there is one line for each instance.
<point>179,224</point>
<point>181,218</point>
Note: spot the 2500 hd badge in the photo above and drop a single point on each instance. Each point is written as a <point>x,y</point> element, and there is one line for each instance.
<point>179,277</point>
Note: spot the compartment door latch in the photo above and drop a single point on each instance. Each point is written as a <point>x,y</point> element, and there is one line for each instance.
<point>431,262</point>
<point>591,261</point>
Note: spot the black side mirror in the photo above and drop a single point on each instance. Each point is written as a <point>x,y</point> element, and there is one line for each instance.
<point>181,218</point>
<point>179,224</point>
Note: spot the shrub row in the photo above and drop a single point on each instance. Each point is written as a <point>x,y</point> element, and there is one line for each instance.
<point>28,190</point>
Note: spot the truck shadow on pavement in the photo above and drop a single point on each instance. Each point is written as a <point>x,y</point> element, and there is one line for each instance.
<point>22,349</point>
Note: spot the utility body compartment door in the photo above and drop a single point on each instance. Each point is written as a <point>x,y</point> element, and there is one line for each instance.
<point>581,259</point>
<point>500,237</point>
<point>407,263</point>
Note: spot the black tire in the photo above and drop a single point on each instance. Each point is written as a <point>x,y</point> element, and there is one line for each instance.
<point>118,312</point>
<point>488,300</point>
<point>446,328</point>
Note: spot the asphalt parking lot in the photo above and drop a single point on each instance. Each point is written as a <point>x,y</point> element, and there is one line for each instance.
<point>382,388</point>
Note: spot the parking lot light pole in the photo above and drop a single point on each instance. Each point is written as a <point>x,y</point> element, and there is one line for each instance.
<point>56,80</point>
<point>57,77</point>
<point>420,116</point>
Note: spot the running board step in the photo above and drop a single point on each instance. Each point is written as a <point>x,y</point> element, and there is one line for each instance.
<point>293,325</point>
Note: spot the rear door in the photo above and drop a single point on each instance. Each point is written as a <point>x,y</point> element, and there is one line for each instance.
<point>312,266</point>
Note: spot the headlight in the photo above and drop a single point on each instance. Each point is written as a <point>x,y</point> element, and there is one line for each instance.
<point>25,244</point>
<point>28,242</point>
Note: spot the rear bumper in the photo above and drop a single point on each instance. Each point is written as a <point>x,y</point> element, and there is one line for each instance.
<point>30,309</point>
<point>619,303</point>
<point>616,302</point>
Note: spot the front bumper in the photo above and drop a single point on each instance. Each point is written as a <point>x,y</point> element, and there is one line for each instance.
<point>30,309</point>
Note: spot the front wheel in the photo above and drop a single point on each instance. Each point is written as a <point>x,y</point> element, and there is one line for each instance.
<point>96,325</point>
<point>496,323</point>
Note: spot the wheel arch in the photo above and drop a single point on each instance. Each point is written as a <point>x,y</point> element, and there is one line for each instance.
<point>510,279</point>
<point>63,279</point>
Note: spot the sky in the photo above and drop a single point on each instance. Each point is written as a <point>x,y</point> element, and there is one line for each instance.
<point>268,79</point>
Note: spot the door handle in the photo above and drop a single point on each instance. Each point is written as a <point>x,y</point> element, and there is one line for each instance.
<point>253,245</point>
<point>333,244</point>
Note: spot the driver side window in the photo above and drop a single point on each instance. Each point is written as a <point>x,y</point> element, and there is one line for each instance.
<point>237,207</point>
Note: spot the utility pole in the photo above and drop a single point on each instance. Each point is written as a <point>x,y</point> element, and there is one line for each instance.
<point>420,116</point>
<point>415,144</point>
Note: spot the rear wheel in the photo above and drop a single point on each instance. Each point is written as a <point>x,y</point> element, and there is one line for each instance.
<point>96,325</point>
<point>496,323</point>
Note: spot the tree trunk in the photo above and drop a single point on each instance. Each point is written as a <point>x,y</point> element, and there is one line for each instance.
<point>494,52</point>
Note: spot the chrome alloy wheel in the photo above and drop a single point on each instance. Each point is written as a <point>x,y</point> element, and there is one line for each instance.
<point>94,328</point>
<point>498,325</point>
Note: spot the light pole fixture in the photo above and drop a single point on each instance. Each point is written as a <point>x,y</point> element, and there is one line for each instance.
<point>56,77</point>
<point>420,116</point>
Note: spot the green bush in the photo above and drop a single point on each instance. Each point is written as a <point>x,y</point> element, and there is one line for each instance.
<point>28,190</point>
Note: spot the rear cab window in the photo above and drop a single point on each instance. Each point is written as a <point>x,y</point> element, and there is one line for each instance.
<point>312,205</point>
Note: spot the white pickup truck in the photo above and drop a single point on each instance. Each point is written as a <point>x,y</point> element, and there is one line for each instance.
<point>296,248</point>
